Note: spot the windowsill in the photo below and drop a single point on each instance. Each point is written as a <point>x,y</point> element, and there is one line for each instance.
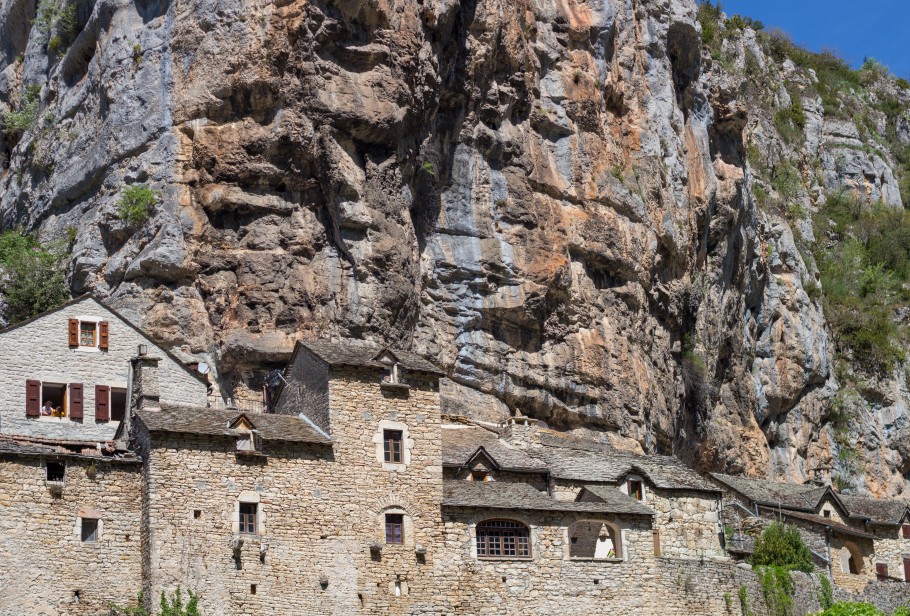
<point>86,349</point>
<point>596,560</point>
<point>506,558</point>
<point>51,418</point>
<point>395,386</point>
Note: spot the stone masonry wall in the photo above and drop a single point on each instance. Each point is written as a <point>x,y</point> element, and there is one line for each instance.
<point>43,558</point>
<point>40,350</point>
<point>891,549</point>
<point>323,508</point>
<point>688,521</point>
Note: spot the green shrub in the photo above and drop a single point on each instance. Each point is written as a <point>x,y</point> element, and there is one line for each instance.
<point>902,83</point>
<point>786,181</point>
<point>136,204</point>
<point>744,602</point>
<point>780,545</point>
<point>790,122</point>
<point>175,606</point>
<point>53,17</point>
<point>845,608</point>
<point>777,589</point>
<point>709,18</point>
<point>826,595</point>
<point>32,276</point>
<point>24,117</point>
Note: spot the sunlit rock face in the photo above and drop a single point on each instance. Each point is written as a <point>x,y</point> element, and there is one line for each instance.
<point>551,199</point>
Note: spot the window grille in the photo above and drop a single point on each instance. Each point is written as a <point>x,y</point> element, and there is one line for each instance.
<point>503,538</point>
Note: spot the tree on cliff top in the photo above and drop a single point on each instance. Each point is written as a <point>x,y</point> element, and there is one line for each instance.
<point>780,545</point>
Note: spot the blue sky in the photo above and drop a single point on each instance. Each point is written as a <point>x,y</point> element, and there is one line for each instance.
<point>855,29</point>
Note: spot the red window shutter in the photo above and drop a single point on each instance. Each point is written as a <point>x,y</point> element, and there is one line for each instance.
<point>102,335</point>
<point>655,536</point>
<point>906,529</point>
<point>74,332</point>
<point>881,570</point>
<point>77,401</point>
<point>102,403</point>
<point>33,398</point>
<point>907,569</point>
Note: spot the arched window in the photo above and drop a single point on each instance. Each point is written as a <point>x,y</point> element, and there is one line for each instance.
<point>503,539</point>
<point>594,539</point>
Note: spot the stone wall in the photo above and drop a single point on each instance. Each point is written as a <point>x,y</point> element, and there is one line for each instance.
<point>40,350</point>
<point>322,509</point>
<point>44,560</point>
<point>891,549</point>
<point>688,521</point>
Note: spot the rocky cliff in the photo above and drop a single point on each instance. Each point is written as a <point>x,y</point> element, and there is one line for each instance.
<point>575,207</point>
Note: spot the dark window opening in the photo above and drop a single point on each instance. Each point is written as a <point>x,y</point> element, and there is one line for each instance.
<point>392,446</point>
<point>53,399</point>
<point>197,513</point>
<point>827,513</point>
<point>636,490</point>
<point>852,566</point>
<point>252,589</point>
<point>479,476</point>
<point>118,404</point>
<point>56,471</point>
<point>89,530</point>
<point>503,539</point>
<point>248,518</point>
<point>394,528</point>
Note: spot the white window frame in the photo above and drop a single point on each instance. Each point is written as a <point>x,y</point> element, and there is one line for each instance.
<point>88,319</point>
<point>66,399</point>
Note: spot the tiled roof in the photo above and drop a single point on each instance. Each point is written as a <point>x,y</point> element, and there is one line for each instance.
<point>511,496</point>
<point>460,443</point>
<point>879,510</point>
<point>602,463</point>
<point>789,495</point>
<point>31,447</point>
<point>835,527</point>
<point>205,421</point>
<point>618,501</point>
<point>359,353</point>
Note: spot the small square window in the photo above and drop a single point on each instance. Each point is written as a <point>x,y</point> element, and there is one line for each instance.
<point>392,446</point>
<point>826,513</point>
<point>89,530</point>
<point>248,518</point>
<point>88,333</point>
<point>394,528</point>
<point>479,476</point>
<point>636,490</point>
<point>56,471</point>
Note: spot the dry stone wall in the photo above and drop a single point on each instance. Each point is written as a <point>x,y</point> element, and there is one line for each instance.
<point>44,561</point>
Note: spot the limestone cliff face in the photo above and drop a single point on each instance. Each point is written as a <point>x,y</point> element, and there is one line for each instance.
<point>551,199</point>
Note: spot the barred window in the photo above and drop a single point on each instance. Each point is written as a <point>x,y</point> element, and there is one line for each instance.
<point>503,539</point>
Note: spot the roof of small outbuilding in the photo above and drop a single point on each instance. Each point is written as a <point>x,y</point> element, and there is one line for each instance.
<point>364,354</point>
<point>512,496</point>
<point>211,422</point>
<point>836,527</point>
<point>461,443</point>
<point>883,511</point>
<point>617,500</point>
<point>59,448</point>
<point>791,495</point>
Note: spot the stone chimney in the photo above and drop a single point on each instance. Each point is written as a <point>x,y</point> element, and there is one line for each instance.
<point>521,431</point>
<point>145,390</point>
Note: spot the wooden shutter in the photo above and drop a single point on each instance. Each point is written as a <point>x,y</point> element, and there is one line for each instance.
<point>906,530</point>
<point>74,332</point>
<point>102,335</point>
<point>32,398</point>
<point>77,401</point>
<point>102,403</point>
<point>881,570</point>
<point>655,535</point>
<point>907,569</point>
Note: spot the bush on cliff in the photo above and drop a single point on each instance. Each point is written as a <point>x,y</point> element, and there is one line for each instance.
<point>780,545</point>
<point>845,608</point>
<point>32,276</point>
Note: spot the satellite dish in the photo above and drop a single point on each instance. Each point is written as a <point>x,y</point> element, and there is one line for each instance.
<point>203,368</point>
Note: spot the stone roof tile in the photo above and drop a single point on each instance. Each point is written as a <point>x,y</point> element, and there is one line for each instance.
<point>512,496</point>
<point>890,511</point>
<point>32,447</point>
<point>460,443</point>
<point>618,501</point>
<point>798,496</point>
<point>212,422</point>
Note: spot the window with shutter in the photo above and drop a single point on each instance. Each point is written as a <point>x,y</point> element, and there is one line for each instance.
<point>77,401</point>
<point>103,335</point>
<point>74,332</point>
<point>102,403</point>
<point>906,530</point>
<point>881,570</point>
<point>32,398</point>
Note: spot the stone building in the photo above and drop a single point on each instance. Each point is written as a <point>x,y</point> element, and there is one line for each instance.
<point>857,540</point>
<point>65,374</point>
<point>356,495</point>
